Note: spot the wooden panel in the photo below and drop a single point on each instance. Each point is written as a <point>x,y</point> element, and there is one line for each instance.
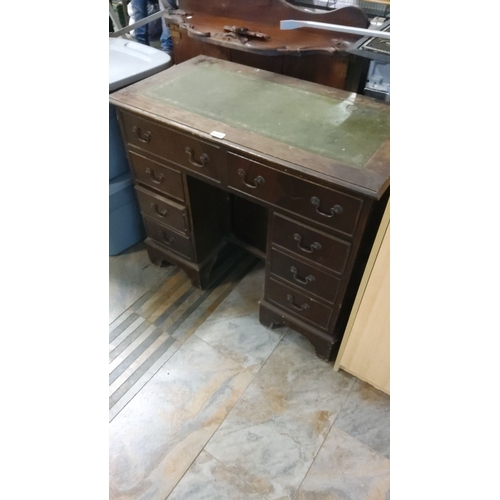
<point>157,176</point>
<point>249,223</point>
<point>186,151</point>
<point>319,247</point>
<point>268,63</point>
<point>291,52</point>
<point>308,278</point>
<point>186,48</point>
<point>319,68</point>
<point>269,13</point>
<point>171,240</point>
<point>210,212</point>
<point>162,210</point>
<point>365,350</point>
<point>264,183</point>
<point>298,304</point>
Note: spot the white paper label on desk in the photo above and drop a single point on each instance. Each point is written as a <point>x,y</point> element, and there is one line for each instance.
<point>219,135</point>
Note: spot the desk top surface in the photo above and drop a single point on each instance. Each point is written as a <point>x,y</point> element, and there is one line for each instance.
<point>333,132</point>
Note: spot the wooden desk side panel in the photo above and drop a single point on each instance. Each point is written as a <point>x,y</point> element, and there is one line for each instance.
<point>365,350</point>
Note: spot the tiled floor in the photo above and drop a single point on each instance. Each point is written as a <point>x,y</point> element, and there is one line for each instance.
<point>206,403</point>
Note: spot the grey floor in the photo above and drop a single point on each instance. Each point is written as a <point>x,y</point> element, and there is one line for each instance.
<point>206,403</point>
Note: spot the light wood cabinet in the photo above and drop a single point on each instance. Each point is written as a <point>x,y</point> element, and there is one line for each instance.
<point>365,349</point>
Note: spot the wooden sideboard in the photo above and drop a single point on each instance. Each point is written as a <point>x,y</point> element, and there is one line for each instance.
<point>199,27</point>
<point>296,172</point>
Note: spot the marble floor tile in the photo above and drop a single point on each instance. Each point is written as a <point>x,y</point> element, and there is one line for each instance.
<point>131,275</point>
<point>208,479</point>
<point>234,327</point>
<point>273,433</point>
<point>156,437</point>
<point>243,339</point>
<point>346,469</point>
<point>366,416</point>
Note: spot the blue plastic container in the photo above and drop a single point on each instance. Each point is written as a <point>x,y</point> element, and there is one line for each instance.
<point>129,62</point>
<point>118,163</point>
<point>125,222</point>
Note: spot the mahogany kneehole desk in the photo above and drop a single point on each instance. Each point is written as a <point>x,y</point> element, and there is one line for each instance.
<point>296,172</point>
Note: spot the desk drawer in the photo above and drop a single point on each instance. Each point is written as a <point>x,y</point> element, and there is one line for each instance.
<point>186,151</point>
<point>330,207</point>
<point>300,305</point>
<point>171,240</point>
<point>308,278</point>
<point>157,176</point>
<point>162,210</point>
<point>310,244</point>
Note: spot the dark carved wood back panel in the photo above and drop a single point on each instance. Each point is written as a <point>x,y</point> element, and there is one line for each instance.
<point>272,11</point>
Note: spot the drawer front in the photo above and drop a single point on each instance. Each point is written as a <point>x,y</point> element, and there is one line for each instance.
<point>162,210</point>
<point>157,176</point>
<point>168,238</point>
<point>330,207</point>
<point>186,151</point>
<point>300,305</point>
<point>316,246</point>
<point>309,279</point>
<point>252,178</point>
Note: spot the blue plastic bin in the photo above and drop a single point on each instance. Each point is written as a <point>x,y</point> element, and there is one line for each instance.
<point>118,163</point>
<point>129,62</point>
<point>125,222</point>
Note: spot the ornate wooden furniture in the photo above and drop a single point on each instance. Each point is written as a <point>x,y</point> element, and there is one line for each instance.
<point>202,27</point>
<point>296,172</point>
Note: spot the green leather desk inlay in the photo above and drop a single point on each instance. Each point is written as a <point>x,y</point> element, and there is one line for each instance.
<point>324,125</point>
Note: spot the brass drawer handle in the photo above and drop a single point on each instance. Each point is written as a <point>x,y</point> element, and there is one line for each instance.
<point>314,246</point>
<point>335,210</point>
<point>166,239</point>
<point>259,180</point>
<point>308,279</point>
<point>303,307</point>
<point>156,179</point>
<point>146,137</point>
<point>159,212</point>
<point>204,159</point>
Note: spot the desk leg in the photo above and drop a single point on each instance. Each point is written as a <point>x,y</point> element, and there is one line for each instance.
<point>156,256</point>
<point>200,278</point>
<point>270,318</point>
<point>325,346</point>
<point>199,274</point>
